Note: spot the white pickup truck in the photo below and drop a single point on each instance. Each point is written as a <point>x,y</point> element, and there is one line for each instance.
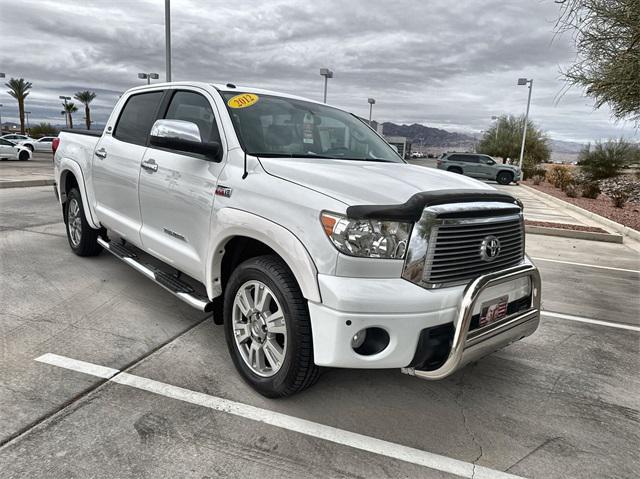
<point>303,232</point>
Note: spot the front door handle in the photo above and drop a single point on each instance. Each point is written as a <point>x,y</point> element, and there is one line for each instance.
<point>150,165</point>
<point>101,153</point>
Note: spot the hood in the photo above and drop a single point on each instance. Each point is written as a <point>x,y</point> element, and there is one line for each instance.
<point>366,182</point>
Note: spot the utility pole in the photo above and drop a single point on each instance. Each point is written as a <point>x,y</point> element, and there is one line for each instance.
<point>167,38</point>
<point>525,81</point>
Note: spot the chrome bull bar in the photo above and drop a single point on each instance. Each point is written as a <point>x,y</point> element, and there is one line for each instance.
<point>465,348</point>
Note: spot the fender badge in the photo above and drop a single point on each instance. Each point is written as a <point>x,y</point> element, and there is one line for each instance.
<point>224,191</point>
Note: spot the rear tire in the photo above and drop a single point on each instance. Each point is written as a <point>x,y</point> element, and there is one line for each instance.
<point>504,177</point>
<point>83,239</point>
<point>274,356</point>
<point>455,169</point>
<point>23,156</point>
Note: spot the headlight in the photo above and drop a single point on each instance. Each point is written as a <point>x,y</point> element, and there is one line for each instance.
<point>367,238</point>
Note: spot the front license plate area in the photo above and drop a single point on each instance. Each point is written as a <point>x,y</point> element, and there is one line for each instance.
<point>493,310</point>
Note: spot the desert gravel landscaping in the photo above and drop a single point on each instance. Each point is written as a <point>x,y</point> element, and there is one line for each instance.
<point>629,215</point>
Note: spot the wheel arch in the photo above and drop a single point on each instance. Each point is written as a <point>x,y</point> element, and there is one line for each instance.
<point>239,235</point>
<point>70,176</point>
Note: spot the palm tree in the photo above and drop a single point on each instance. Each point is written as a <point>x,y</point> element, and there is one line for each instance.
<point>70,108</point>
<point>19,89</point>
<point>86,97</point>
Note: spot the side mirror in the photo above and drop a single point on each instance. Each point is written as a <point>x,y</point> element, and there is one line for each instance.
<point>491,162</point>
<point>183,136</point>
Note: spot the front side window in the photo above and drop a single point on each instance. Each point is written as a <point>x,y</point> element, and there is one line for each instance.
<point>273,126</point>
<point>137,117</point>
<point>193,107</point>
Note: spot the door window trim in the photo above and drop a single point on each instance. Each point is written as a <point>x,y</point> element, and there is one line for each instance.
<point>155,115</point>
<point>162,113</point>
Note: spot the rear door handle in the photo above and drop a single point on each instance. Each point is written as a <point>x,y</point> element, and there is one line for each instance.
<point>150,165</point>
<point>101,153</point>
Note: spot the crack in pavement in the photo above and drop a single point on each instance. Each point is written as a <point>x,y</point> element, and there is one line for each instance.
<point>533,451</point>
<point>459,402</point>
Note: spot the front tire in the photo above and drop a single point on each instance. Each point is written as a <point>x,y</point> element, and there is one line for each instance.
<point>83,239</point>
<point>267,328</point>
<point>23,155</point>
<point>504,177</point>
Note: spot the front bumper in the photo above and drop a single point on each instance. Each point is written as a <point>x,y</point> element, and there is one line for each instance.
<point>404,310</point>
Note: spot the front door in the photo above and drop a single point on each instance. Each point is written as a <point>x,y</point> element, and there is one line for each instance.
<point>116,165</point>
<point>176,196</point>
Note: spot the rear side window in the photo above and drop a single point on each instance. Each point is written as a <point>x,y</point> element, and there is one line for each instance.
<point>137,117</point>
<point>193,107</point>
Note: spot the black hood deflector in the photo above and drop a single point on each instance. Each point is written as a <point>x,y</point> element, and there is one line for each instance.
<point>411,210</point>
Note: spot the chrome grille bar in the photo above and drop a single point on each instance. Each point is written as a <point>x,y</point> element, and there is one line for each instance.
<point>444,251</point>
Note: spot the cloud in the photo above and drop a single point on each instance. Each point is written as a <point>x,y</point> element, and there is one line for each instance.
<point>441,63</point>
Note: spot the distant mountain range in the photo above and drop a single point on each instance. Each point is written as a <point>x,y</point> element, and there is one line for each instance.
<point>437,138</point>
<point>428,136</point>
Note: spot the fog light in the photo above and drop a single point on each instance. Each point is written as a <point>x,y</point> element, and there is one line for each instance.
<point>358,338</point>
<point>367,342</point>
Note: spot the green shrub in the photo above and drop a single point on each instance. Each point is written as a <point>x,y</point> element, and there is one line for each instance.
<point>590,189</point>
<point>606,160</point>
<point>559,176</point>
<point>572,190</point>
<point>588,186</point>
<point>537,179</point>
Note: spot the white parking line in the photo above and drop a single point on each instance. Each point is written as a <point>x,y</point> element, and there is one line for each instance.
<point>585,264</point>
<point>611,324</point>
<point>291,423</point>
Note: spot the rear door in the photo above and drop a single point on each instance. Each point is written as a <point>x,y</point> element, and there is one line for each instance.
<point>116,164</point>
<point>176,199</point>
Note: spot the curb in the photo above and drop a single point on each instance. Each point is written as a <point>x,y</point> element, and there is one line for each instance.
<point>622,229</point>
<point>587,235</point>
<point>25,183</point>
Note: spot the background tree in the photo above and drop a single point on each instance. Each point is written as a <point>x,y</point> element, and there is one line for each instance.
<point>86,97</point>
<point>505,138</point>
<point>606,160</point>
<point>70,108</point>
<point>43,129</point>
<point>607,39</point>
<point>19,89</point>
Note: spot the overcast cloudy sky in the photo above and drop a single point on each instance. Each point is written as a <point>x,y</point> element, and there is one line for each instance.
<point>443,63</point>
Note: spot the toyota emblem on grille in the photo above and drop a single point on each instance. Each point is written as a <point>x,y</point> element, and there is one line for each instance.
<point>490,248</point>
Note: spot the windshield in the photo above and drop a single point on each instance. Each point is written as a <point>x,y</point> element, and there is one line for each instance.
<point>272,126</point>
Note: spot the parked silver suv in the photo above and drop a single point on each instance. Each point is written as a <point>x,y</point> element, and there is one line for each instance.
<point>479,166</point>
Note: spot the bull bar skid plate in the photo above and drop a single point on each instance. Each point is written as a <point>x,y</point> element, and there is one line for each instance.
<point>495,337</point>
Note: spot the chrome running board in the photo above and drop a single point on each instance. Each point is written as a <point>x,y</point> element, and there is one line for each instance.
<point>174,285</point>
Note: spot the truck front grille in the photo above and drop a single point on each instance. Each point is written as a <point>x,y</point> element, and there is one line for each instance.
<point>450,248</point>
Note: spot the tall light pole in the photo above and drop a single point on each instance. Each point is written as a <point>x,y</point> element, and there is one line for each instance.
<point>521,82</point>
<point>326,73</point>
<point>372,102</point>
<point>148,77</point>
<point>27,113</point>
<point>497,120</point>
<point>167,39</point>
<point>1,118</point>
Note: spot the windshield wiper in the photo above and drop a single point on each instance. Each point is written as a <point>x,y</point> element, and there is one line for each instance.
<point>295,155</point>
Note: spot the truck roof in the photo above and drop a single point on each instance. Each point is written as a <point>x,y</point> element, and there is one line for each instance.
<point>223,88</point>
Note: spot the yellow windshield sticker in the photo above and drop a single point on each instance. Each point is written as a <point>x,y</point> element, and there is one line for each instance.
<point>242,101</point>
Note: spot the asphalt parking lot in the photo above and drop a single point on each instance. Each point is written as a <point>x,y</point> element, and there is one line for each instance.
<point>561,403</point>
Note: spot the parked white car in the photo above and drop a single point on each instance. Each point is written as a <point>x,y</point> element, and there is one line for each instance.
<point>41,144</point>
<point>303,232</point>
<point>16,137</point>
<point>13,151</point>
